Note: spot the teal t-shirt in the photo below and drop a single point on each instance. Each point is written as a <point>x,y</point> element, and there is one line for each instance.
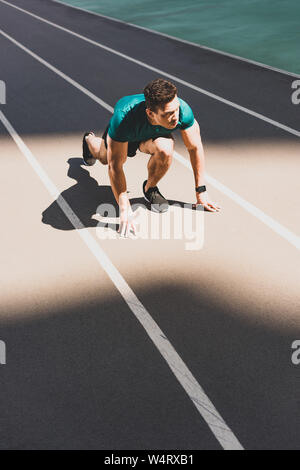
<point>129,122</point>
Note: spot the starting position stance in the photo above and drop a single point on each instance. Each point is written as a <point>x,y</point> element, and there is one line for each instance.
<point>145,122</point>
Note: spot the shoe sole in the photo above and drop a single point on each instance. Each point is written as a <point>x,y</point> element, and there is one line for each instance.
<point>91,161</point>
<point>89,164</point>
<point>153,208</point>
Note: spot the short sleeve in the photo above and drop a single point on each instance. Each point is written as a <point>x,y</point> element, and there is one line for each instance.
<point>186,115</point>
<point>116,128</point>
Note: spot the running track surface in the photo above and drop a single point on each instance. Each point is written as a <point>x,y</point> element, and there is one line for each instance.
<point>82,371</point>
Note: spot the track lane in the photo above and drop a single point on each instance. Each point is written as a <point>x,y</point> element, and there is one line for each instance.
<point>69,375</point>
<point>199,302</point>
<point>254,87</point>
<point>233,125</point>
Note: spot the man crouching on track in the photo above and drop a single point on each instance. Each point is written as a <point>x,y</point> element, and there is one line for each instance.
<point>145,122</point>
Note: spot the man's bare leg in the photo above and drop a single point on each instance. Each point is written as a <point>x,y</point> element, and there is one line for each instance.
<point>97,148</point>
<point>161,151</point>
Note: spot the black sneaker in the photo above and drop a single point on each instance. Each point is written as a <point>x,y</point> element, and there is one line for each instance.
<point>156,199</point>
<point>88,159</point>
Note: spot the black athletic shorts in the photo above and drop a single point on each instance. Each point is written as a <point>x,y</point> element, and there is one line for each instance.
<point>132,146</point>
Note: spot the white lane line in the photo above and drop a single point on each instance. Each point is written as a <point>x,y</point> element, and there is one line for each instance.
<point>184,41</point>
<point>259,214</point>
<point>271,223</point>
<point>59,73</point>
<point>274,123</point>
<point>195,392</point>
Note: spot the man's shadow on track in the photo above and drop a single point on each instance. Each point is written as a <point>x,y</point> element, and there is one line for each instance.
<point>84,198</point>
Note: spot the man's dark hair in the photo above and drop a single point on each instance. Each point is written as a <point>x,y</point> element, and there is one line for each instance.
<point>158,93</point>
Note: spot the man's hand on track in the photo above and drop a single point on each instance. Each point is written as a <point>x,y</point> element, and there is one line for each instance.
<point>127,225</point>
<point>203,200</point>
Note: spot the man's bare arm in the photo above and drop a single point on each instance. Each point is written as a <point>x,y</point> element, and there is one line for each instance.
<point>116,157</point>
<point>192,140</point>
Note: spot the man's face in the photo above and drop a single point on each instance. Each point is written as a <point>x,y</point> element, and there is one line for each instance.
<point>168,115</point>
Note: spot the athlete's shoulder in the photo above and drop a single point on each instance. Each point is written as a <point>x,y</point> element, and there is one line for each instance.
<point>126,114</point>
<point>186,115</point>
<point>126,103</point>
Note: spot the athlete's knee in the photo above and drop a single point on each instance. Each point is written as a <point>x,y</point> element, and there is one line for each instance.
<point>103,160</point>
<point>164,148</point>
<point>102,156</point>
<point>165,155</point>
